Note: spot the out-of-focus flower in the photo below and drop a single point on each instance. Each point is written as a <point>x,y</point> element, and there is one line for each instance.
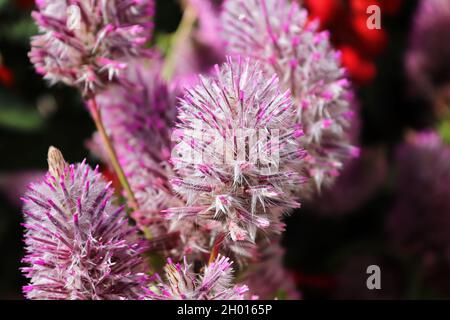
<point>208,14</point>
<point>6,75</point>
<point>236,141</point>
<point>14,185</point>
<point>79,244</point>
<point>203,48</point>
<point>389,7</point>
<point>278,34</point>
<point>268,277</point>
<point>358,182</point>
<point>419,222</point>
<point>347,22</point>
<point>214,283</point>
<point>427,60</point>
<point>362,70</point>
<point>139,118</point>
<point>87,43</point>
<point>325,10</point>
<point>25,4</point>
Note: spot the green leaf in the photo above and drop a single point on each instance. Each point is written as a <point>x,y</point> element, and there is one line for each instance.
<point>16,115</point>
<point>3,3</point>
<point>19,31</point>
<point>444,130</point>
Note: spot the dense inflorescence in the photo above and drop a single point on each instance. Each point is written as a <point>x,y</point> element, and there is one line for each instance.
<point>214,283</point>
<point>236,142</point>
<point>79,244</point>
<point>278,34</point>
<point>87,43</point>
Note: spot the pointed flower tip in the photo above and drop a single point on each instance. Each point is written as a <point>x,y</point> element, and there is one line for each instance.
<point>56,163</point>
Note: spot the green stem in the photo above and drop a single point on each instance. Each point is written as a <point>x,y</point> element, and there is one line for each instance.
<point>182,34</point>
<point>96,116</point>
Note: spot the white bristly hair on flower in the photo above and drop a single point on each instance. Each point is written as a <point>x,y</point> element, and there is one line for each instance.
<point>87,43</point>
<point>214,283</point>
<point>278,33</point>
<point>236,140</point>
<point>78,243</point>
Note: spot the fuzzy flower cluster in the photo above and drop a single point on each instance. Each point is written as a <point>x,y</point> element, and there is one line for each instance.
<point>236,141</point>
<point>79,244</point>
<point>427,59</point>
<point>139,119</point>
<point>87,43</point>
<point>279,34</point>
<point>420,219</point>
<point>215,173</point>
<point>214,283</point>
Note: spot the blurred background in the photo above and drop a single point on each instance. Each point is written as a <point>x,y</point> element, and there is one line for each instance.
<point>391,207</point>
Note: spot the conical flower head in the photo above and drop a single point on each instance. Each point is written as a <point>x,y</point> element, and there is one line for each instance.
<point>278,33</point>
<point>214,283</point>
<point>236,140</point>
<point>87,43</point>
<point>78,243</point>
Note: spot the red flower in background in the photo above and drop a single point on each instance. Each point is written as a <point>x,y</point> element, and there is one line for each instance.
<point>6,76</point>
<point>25,4</point>
<point>347,21</point>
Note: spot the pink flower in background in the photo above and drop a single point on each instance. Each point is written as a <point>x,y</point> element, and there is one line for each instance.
<point>87,43</point>
<point>236,140</point>
<point>278,33</point>
<point>214,283</point>
<point>14,185</point>
<point>78,243</point>
<point>427,60</point>
<point>139,119</point>
<point>420,219</point>
<point>203,48</point>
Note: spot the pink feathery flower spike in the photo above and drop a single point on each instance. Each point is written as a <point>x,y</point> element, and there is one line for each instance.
<point>236,141</point>
<point>87,43</point>
<point>279,34</point>
<point>78,243</point>
<point>214,283</point>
